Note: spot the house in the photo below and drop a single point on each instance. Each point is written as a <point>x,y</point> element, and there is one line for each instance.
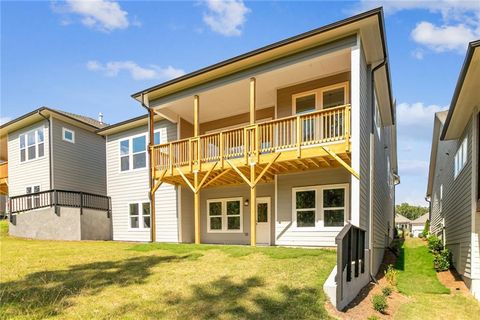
<point>453,181</point>
<point>418,225</point>
<point>56,176</point>
<point>292,144</point>
<point>403,223</point>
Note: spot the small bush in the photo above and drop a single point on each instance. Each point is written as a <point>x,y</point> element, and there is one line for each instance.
<point>387,291</point>
<point>434,244</point>
<point>374,317</point>
<point>426,229</point>
<point>391,275</point>
<point>442,260</point>
<point>379,303</point>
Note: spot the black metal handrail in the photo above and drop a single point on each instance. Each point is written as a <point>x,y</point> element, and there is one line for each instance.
<point>59,198</point>
<point>350,250</point>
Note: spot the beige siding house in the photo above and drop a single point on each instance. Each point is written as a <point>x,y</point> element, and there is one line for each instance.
<point>292,144</point>
<point>55,176</point>
<point>454,175</point>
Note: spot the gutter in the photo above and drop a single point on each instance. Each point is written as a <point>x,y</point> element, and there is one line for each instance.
<point>50,160</point>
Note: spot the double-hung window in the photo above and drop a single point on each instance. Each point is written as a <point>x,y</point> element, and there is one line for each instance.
<point>320,206</point>
<point>133,153</point>
<point>32,145</point>
<point>225,215</point>
<point>33,201</point>
<point>139,213</point>
<point>461,157</point>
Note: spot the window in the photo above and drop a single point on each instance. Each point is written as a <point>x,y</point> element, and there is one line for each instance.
<point>334,207</point>
<point>320,206</point>
<point>225,215</point>
<point>461,157</point>
<point>305,208</point>
<point>32,145</point>
<point>305,102</point>
<point>68,135</point>
<point>139,215</point>
<point>133,153</point>
<point>156,137</point>
<point>333,98</point>
<point>33,201</point>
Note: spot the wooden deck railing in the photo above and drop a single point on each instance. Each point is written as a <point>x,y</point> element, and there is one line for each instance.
<point>315,128</point>
<point>3,170</point>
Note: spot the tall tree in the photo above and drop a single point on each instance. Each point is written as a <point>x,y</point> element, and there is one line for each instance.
<point>409,211</point>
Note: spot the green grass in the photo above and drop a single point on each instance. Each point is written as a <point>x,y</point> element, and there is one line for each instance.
<point>111,280</point>
<point>429,299</point>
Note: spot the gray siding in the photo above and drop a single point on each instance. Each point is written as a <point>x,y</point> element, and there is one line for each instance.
<point>25,174</point>
<point>78,166</point>
<point>133,186</point>
<point>185,208</point>
<point>456,206</point>
<point>285,231</point>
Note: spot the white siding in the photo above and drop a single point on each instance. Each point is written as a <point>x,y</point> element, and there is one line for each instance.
<point>24,174</point>
<point>133,186</point>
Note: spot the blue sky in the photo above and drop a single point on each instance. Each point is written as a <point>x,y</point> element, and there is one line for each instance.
<point>90,56</point>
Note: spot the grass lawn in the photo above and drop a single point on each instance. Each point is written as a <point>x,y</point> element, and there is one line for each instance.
<point>106,280</point>
<point>429,298</point>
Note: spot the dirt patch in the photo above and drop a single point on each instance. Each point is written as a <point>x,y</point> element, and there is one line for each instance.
<point>361,307</point>
<point>453,281</point>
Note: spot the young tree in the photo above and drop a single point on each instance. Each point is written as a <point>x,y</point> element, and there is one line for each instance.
<point>409,211</point>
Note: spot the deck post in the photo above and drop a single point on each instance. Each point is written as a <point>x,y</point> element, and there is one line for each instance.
<point>196,110</point>
<point>196,196</point>
<point>253,208</point>
<point>252,99</point>
<point>151,127</point>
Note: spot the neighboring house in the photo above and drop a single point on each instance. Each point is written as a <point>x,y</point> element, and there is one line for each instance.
<point>56,176</point>
<point>403,223</point>
<point>418,225</point>
<point>453,182</point>
<point>292,144</point>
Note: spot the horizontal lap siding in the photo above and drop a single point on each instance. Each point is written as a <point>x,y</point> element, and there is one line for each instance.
<point>78,166</point>
<point>36,172</point>
<point>127,187</point>
<point>456,206</point>
<point>285,232</point>
<point>365,125</point>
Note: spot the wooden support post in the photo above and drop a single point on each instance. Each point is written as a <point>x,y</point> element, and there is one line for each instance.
<point>196,110</point>
<point>196,208</point>
<point>151,127</point>
<point>253,208</point>
<point>252,100</point>
<point>347,128</point>
<point>299,137</point>
<point>343,163</point>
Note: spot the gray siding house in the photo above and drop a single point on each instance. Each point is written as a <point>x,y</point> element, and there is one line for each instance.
<point>292,144</point>
<point>56,176</point>
<point>453,182</point>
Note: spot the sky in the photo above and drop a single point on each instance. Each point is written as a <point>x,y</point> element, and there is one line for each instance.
<point>90,56</point>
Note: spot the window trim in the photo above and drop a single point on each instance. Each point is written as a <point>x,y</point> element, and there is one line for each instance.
<point>140,215</point>
<point>224,215</point>
<point>461,155</point>
<point>319,95</point>
<point>130,153</point>
<point>64,130</point>
<point>25,134</point>
<point>33,198</point>
<point>319,209</point>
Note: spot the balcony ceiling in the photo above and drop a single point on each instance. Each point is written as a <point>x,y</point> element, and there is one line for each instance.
<point>233,98</point>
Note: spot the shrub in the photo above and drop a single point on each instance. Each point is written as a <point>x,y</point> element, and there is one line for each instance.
<point>391,275</point>
<point>374,317</point>
<point>387,291</point>
<point>442,260</point>
<point>379,303</point>
<point>434,244</point>
<point>426,229</point>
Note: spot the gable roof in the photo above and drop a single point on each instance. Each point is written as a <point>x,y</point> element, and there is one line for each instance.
<point>401,219</point>
<point>37,114</point>
<point>421,220</point>
<point>466,95</point>
<point>369,24</point>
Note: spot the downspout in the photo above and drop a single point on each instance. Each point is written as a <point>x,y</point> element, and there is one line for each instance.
<point>150,173</point>
<point>50,160</point>
<point>372,160</point>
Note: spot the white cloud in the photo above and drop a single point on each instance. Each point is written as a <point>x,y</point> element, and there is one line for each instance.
<point>4,120</point>
<point>113,68</point>
<point>226,17</point>
<point>412,167</point>
<point>444,38</point>
<point>417,114</point>
<point>105,15</point>
<point>460,22</point>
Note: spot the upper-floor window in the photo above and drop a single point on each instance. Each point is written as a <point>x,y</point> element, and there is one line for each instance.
<point>461,157</point>
<point>156,137</point>
<point>320,98</point>
<point>32,145</point>
<point>33,201</point>
<point>133,153</point>
<point>68,135</point>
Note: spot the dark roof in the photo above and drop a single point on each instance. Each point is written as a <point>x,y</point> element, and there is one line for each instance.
<point>463,73</point>
<point>121,123</point>
<point>363,15</point>
<point>83,119</point>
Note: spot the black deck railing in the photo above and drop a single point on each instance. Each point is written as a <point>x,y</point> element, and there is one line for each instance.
<point>59,198</point>
<point>350,251</point>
